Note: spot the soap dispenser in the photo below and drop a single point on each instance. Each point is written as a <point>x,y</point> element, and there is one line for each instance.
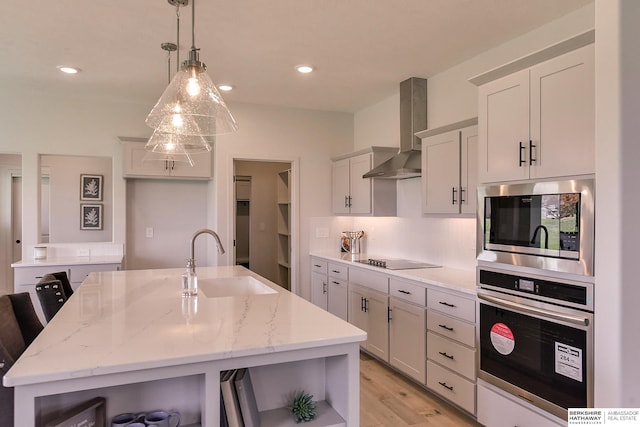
<point>190,280</point>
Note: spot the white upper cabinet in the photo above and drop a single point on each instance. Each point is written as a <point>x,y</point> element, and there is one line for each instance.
<point>538,122</point>
<point>449,169</point>
<point>354,195</point>
<point>134,165</point>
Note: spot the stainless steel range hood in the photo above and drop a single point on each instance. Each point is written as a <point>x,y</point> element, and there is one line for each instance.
<point>413,118</point>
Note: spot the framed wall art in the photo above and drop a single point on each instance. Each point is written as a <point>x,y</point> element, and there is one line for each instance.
<point>90,217</point>
<point>91,187</point>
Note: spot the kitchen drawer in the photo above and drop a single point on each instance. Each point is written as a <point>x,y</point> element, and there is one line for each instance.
<point>369,279</point>
<point>451,386</point>
<point>452,355</point>
<point>453,305</point>
<point>338,271</point>
<point>319,266</point>
<point>451,327</point>
<point>32,275</point>
<point>80,272</point>
<point>408,291</point>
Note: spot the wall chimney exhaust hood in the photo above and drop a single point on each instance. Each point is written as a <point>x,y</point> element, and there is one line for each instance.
<point>413,118</point>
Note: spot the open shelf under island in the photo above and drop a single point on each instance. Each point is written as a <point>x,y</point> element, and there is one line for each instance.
<point>130,337</point>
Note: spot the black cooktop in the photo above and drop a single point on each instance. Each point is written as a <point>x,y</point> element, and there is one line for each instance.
<point>396,264</point>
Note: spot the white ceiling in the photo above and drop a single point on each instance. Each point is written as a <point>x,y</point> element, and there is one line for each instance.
<point>362,49</point>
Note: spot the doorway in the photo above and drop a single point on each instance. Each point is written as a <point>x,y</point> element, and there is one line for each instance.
<point>262,218</point>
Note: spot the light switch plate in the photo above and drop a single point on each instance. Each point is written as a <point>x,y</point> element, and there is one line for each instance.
<point>149,232</point>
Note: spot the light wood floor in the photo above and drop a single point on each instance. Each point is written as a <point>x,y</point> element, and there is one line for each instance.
<point>387,399</point>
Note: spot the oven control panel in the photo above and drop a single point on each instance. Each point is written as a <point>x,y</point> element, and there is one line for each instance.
<point>576,293</point>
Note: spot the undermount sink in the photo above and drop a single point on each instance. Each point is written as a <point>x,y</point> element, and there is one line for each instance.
<point>233,286</point>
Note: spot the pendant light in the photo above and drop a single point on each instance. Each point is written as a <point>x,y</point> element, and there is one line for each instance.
<point>165,146</point>
<point>191,105</point>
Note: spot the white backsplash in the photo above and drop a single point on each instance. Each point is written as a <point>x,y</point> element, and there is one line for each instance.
<point>440,240</point>
<point>445,241</point>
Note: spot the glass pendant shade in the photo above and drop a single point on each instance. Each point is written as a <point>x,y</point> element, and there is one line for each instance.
<point>173,143</point>
<point>168,157</point>
<point>191,105</point>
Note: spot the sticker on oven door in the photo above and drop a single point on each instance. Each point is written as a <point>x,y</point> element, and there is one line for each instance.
<point>569,361</point>
<point>502,338</point>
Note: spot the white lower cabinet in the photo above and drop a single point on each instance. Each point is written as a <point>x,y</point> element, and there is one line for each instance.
<point>424,331</point>
<point>497,410</point>
<point>407,345</point>
<point>368,310</point>
<point>329,287</point>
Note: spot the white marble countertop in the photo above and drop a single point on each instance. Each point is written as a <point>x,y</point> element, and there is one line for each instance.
<point>459,280</point>
<point>130,320</point>
<point>68,260</point>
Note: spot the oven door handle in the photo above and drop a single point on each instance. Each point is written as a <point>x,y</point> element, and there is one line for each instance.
<point>576,320</point>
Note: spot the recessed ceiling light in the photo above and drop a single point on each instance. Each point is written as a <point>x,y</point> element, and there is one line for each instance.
<point>304,69</point>
<point>225,88</point>
<point>68,70</point>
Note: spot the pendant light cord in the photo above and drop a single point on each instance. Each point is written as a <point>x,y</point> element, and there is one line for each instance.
<point>193,24</point>
<point>178,37</point>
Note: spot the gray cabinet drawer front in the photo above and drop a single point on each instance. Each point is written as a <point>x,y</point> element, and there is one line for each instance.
<point>451,386</point>
<point>453,305</point>
<point>338,271</point>
<point>319,266</point>
<point>369,279</point>
<point>451,327</point>
<point>452,355</point>
<point>32,275</point>
<point>408,291</point>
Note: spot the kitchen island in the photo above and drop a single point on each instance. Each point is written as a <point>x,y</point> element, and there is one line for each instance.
<point>130,336</point>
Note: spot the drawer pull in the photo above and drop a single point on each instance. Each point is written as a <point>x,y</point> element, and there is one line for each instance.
<point>38,277</point>
<point>446,304</point>
<point>335,283</point>
<point>444,353</point>
<point>446,327</point>
<point>335,271</point>
<point>448,387</point>
<point>317,265</point>
<point>404,292</point>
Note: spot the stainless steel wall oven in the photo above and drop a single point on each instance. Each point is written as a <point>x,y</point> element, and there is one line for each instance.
<point>535,334</point>
<point>547,225</point>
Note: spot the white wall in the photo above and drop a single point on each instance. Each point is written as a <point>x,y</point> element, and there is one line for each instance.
<point>617,372</point>
<point>64,193</point>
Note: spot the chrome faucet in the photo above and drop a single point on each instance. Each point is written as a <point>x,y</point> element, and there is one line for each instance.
<point>191,263</point>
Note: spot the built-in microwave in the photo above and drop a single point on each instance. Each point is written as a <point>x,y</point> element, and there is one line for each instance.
<point>547,225</point>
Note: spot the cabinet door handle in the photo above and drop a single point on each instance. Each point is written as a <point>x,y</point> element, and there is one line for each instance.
<point>362,304</point>
<point>462,191</point>
<point>317,265</point>
<point>448,387</point>
<point>346,203</point>
<point>349,201</point>
<point>522,161</point>
<point>366,305</point>
<point>324,287</point>
<point>335,283</point>
<point>446,327</point>
<point>388,314</point>
<point>453,195</point>
<point>444,353</point>
<point>402,291</point>
<point>335,271</point>
<point>531,147</point>
<point>446,304</point>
